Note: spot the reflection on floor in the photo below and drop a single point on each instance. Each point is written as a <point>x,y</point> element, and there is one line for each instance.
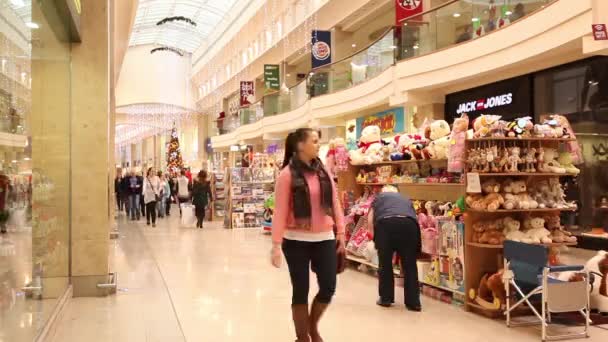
<point>184,284</point>
<point>20,318</point>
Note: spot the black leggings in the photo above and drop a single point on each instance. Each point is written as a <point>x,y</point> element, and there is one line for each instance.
<point>200,215</point>
<point>151,212</point>
<point>322,255</point>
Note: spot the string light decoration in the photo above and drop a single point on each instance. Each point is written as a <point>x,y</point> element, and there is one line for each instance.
<point>143,120</point>
<point>175,163</point>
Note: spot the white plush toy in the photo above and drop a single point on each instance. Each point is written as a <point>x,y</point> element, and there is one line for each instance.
<point>438,129</point>
<point>550,162</point>
<point>512,232</point>
<point>370,147</point>
<point>598,265</point>
<point>536,230</point>
<point>438,149</point>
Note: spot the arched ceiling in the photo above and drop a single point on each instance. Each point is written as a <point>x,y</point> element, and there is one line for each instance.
<point>180,34</point>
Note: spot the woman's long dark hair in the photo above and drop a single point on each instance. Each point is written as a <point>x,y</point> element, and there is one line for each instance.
<point>292,141</point>
<point>149,172</point>
<point>202,177</point>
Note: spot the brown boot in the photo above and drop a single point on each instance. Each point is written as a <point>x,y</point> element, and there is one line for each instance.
<point>300,316</point>
<point>316,311</point>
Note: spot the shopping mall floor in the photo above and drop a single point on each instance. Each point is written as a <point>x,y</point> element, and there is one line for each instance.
<point>178,284</point>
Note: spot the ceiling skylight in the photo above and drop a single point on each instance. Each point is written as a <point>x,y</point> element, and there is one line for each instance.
<point>180,34</point>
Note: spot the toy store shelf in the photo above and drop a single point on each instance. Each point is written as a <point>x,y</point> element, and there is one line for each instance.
<point>365,262</point>
<point>540,210</point>
<point>399,162</point>
<point>526,174</point>
<point>442,288</point>
<point>553,244</point>
<point>415,184</point>
<point>521,139</point>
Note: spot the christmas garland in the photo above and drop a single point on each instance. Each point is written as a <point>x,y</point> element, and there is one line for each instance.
<point>178,18</point>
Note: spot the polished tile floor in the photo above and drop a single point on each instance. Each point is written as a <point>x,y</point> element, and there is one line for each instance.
<point>183,284</point>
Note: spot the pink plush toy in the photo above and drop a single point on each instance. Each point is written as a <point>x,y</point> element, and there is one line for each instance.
<point>456,147</point>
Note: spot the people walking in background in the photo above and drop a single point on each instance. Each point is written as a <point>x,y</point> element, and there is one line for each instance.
<point>183,190</point>
<point>142,203</point>
<point>518,12</point>
<point>151,196</point>
<point>160,205</point>
<point>117,194</point>
<point>171,187</point>
<point>306,212</point>
<point>394,224</point>
<point>134,194</point>
<point>201,196</point>
<point>125,192</point>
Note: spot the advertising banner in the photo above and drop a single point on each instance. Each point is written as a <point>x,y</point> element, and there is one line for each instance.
<point>247,93</point>
<point>407,8</point>
<point>390,121</point>
<point>272,79</point>
<point>321,48</point>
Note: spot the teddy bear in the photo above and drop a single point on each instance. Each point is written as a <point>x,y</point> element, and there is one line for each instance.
<point>511,230</point>
<point>565,161</point>
<point>550,163</point>
<point>490,186</point>
<point>513,160</point>
<point>370,147</point>
<point>540,192</point>
<point>457,144</point>
<point>482,126</point>
<point>535,229</point>
<point>558,233</point>
<point>516,197</point>
<point>491,293</point>
<point>491,235</point>
<point>438,149</point>
<point>437,130</point>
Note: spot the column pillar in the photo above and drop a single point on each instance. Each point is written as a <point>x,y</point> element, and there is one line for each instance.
<point>90,126</point>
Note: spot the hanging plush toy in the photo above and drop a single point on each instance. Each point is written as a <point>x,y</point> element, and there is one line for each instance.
<point>457,142</point>
<point>341,155</point>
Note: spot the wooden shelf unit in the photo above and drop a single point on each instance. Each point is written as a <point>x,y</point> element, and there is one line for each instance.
<point>484,258</point>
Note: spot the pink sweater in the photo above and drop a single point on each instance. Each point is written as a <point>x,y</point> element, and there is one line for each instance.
<point>283,218</point>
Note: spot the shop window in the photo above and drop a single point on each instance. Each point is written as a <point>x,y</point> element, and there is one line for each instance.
<point>580,92</point>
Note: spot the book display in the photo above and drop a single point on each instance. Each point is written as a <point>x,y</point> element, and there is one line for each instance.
<point>248,190</point>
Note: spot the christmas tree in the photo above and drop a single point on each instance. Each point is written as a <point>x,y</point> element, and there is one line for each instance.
<point>174,156</point>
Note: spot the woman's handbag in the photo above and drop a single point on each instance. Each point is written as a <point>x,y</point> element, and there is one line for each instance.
<point>156,196</point>
<point>340,255</point>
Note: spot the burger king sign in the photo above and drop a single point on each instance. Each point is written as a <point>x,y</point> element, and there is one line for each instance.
<point>321,48</point>
<point>407,8</point>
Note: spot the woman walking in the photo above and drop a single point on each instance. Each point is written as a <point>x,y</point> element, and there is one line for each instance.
<point>160,204</point>
<point>306,212</point>
<point>151,196</point>
<point>201,196</point>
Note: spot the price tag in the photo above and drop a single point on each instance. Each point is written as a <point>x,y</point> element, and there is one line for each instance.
<point>473,183</point>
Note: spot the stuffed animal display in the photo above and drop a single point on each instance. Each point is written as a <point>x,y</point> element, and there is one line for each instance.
<point>535,230</point>
<point>513,194</point>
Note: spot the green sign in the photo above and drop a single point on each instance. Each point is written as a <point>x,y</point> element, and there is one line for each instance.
<point>272,80</point>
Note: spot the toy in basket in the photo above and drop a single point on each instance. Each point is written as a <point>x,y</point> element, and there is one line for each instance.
<point>188,217</point>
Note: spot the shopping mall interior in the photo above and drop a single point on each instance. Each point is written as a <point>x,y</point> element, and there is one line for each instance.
<point>142,141</point>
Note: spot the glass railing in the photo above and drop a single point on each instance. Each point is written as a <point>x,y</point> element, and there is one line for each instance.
<point>456,22</point>
<point>251,114</point>
<point>355,69</point>
<point>285,101</point>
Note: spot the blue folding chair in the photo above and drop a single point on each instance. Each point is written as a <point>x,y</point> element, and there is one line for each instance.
<point>526,271</point>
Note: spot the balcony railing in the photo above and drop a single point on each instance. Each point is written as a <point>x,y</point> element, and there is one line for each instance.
<point>286,100</point>
<point>456,22</point>
<point>451,23</point>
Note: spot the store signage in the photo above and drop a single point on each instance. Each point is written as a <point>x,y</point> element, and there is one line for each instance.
<point>321,48</point>
<point>247,93</point>
<point>407,8</point>
<point>390,122</point>
<point>272,79</point>
<point>510,98</point>
<point>599,32</point>
<point>483,104</point>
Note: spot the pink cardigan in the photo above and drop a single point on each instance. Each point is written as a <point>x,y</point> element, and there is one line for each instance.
<point>283,218</point>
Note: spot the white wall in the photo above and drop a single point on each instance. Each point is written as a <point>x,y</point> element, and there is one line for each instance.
<point>162,77</point>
